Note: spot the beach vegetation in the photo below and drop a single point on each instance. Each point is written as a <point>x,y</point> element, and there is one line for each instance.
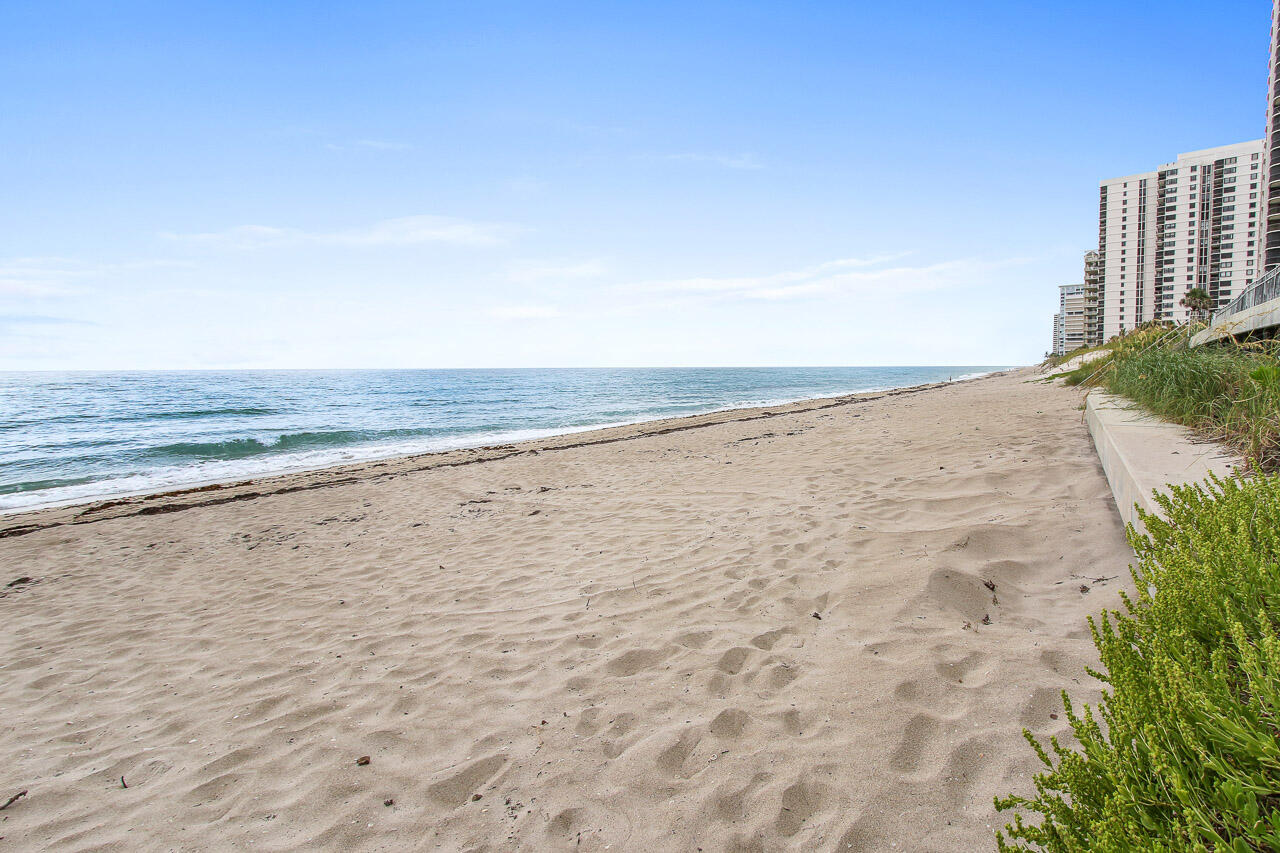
<point>1052,361</point>
<point>1228,392</point>
<point>1082,373</point>
<point>1183,751</point>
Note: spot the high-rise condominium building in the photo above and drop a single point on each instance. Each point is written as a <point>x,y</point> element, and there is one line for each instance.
<point>1093,298</point>
<point>1192,223</point>
<point>1078,322</point>
<point>1069,322</point>
<point>1271,144</point>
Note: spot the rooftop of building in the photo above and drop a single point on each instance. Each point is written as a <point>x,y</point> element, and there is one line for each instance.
<point>1215,153</point>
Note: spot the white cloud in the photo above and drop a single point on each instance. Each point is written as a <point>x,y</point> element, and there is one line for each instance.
<point>405,231</point>
<point>39,278</point>
<point>7,320</point>
<point>864,275</point>
<point>530,271</point>
<point>32,288</point>
<point>524,312</point>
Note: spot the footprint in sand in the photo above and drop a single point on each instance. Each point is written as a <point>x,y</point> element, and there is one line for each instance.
<point>732,661</point>
<point>695,639</point>
<point>920,734</point>
<point>457,788</point>
<point>729,723</point>
<point>768,639</point>
<point>588,827</point>
<point>634,661</point>
<point>589,722</point>
<point>800,802</point>
<point>671,760</point>
<point>729,803</point>
<point>782,674</point>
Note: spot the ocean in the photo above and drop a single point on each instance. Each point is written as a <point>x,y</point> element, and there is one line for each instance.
<point>70,437</point>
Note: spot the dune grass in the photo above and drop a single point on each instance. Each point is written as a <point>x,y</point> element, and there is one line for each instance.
<point>1053,361</point>
<point>1228,392</point>
<point>1085,371</point>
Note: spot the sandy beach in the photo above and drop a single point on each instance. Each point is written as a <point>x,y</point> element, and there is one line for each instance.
<point>818,626</point>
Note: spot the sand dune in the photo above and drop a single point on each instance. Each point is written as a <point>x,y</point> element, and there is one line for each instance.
<point>820,628</point>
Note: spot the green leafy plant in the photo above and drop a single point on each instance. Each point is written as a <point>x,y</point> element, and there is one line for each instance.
<point>1183,752</point>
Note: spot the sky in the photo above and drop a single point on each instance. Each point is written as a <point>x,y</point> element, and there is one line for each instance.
<point>434,185</point>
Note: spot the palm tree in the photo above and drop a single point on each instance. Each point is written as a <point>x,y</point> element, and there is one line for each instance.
<point>1198,302</point>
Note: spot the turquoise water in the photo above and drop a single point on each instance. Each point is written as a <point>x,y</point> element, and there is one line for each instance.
<point>68,437</point>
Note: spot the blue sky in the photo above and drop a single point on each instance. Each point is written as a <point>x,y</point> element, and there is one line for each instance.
<point>229,184</point>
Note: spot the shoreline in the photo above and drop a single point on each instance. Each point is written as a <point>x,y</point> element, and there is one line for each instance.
<point>822,625</point>
<point>13,522</point>
<point>196,473</point>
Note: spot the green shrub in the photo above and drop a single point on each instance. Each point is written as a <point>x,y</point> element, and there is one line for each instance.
<point>1183,750</point>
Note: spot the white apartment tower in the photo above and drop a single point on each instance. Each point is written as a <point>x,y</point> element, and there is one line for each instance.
<point>1271,146</point>
<point>1069,324</point>
<point>1195,222</point>
<point>1093,298</point>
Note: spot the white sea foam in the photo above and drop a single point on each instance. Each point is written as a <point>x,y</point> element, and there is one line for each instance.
<point>231,470</point>
<point>193,474</point>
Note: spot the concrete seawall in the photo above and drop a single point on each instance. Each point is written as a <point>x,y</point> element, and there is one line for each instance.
<point>1141,453</point>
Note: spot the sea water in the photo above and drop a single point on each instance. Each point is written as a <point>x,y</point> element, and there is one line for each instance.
<point>67,437</point>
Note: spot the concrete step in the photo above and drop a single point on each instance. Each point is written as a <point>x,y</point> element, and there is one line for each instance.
<point>1141,453</point>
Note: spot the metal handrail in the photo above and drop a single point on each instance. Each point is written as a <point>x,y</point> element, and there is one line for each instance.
<point>1263,290</point>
